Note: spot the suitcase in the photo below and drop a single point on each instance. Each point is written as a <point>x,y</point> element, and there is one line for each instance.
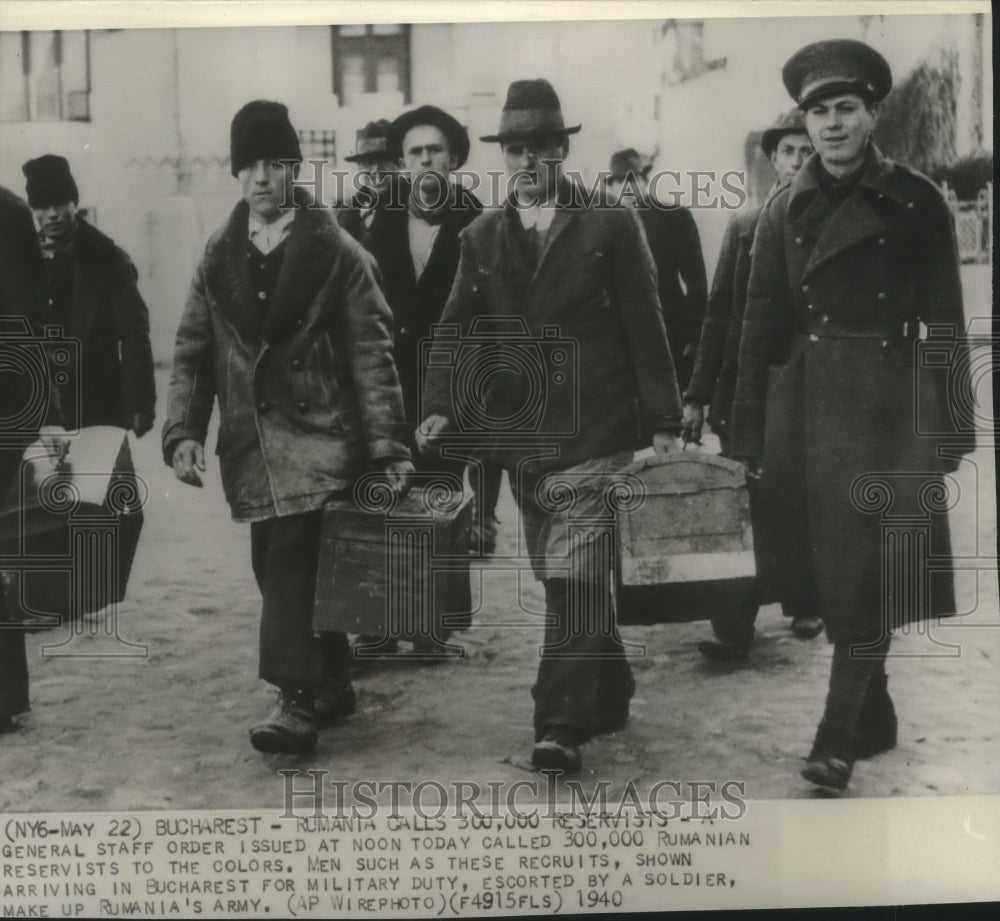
<point>68,537</point>
<point>393,573</point>
<point>685,544</point>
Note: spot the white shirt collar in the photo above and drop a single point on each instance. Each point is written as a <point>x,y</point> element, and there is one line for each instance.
<point>539,217</point>
<point>267,237</point>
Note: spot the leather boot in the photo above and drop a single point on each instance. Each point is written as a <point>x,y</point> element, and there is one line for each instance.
<point>877,727</point>
<point>831,760</point>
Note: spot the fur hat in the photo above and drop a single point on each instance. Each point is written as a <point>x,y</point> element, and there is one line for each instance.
<point>261,131</point>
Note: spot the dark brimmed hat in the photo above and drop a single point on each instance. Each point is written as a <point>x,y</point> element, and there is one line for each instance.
<point>458,137</point>
<point>49,182</point>
<point>532,110</point>
<point>627,163</point>
<point>837,66</point>
<point>790,123</point>
<point>373,142</point>
<point>261,131</point>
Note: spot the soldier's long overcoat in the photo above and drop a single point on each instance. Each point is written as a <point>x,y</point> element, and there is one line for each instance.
<point>837,397</point>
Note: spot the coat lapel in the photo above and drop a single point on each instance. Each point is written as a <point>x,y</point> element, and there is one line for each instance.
<point>237,271</point>
<point>310,251</point>
<point>560,221</point>
<point>851,224</point>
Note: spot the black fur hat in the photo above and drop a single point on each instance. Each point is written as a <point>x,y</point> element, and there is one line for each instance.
<point>49,182</point>
<point>261,131</point>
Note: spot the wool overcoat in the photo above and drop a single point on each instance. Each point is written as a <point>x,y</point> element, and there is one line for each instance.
<point>111,321</point>
<point>307,390</point>
<point>836,395</point>
<point>591,357</point>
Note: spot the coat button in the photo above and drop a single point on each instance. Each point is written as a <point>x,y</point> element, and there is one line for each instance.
<point>810,307</point>
<point>814,338</point>
<point>404,330</point>
<point>296,364</point>
<point>805,287</point>
<point>303,406</point>
<point>881,295</point>
<point>881,241</point>
<point>263,406</point>
<point>262,295</point>
<point>825,319</point>
<point>798,240</point>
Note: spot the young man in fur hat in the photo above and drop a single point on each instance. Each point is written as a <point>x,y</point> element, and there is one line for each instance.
<point>580,284</point>
<point>673,239</point>
<point>286,326</point>
<point>713,381</point>
<point>850,258</point>
<point>93,296</point>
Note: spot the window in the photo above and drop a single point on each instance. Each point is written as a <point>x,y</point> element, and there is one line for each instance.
<point>684,46</point>
<point>319,144</point>
<point>370,59</point>
<point>44,76</point>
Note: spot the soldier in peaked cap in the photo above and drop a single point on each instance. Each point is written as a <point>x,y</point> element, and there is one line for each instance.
<point>713,381</point>
<point>376,169</point>
<point>673,239</point>
<point>849,260</point>
<point>285,324</point>
<point>543,264</point>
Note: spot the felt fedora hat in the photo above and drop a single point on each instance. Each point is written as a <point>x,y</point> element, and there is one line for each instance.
<point>790,123</point>
<point>372,143</point>
<point>532,110</point>
<point>627,163</point>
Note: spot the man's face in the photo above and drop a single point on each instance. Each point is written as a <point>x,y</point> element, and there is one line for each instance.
<point>839,128</point>
<point>376,173</point>
<point>536,165</point>
<point>427,158</point>
<point>792,151</point>
<point>267,185</point>
<point>57,222</point>
<point>627,190</point>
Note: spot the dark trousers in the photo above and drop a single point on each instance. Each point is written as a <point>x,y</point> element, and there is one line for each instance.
<point>584,679</point>
<point>13,659</point>
<point>285,554</point>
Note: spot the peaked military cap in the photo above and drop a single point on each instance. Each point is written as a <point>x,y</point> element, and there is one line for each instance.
<point>836,66</point>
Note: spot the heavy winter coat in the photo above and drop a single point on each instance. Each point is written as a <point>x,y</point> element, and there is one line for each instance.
<point>834,395</point>
<point>714,377</point>
<point>593,354</point>
<point>676,247</point>
<point>308,393</point>
<point>109,318</point>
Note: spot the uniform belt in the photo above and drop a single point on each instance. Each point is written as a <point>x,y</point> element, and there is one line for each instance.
<point>908,329</point>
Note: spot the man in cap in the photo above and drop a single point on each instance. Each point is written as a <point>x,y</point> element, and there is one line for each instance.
<point>286,325</point>
<point>94,298</point>
<point>23,309</point>
<point>849,260</point>
<point>416,247</point>
<point>376,169</point>
<point>577,287</point>
<point>673,239</point>
<point>713,381</point>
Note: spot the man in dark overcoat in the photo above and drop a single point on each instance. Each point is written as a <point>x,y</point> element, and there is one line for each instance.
<point>831,398</point>
<point>25,413</point>
<point>575,288</point>
<point>673,239</point>
<point>416,247</point>
<point>713,380</point>
<point>94,298</point>
<point>376,170</point>
<point>286,327</point>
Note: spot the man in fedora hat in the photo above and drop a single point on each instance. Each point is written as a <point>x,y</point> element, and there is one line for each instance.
<point>578,285</point>
<point>850,259</point>
<point>286,325</point>
<point>713,380</point>
<point>673,239</point>
<point>93,296</point>
<point>376,169</point>
<point>416,247</point>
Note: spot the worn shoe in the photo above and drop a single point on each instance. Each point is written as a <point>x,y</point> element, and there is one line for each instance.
<point>831,775</point>
<point>806,627</point>
<point>720,651</point>
<point>557,751</point>
<point>877,726</point>
<point>291,728</point>
<point>334,703</point>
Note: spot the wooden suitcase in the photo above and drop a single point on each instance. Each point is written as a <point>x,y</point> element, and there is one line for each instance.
<point>68,537</point>
<point>685,546</point>
<point>392,573</point>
